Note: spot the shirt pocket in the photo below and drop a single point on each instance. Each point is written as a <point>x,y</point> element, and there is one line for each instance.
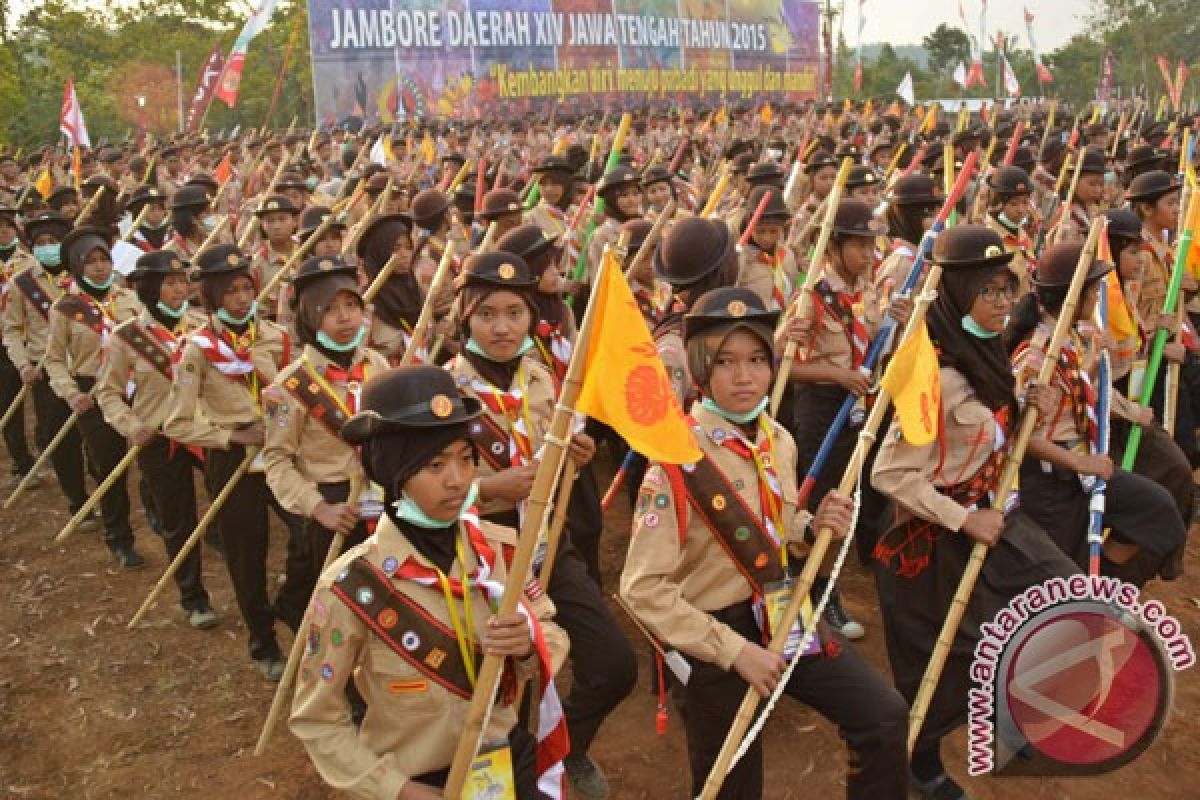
<point>401,682</point>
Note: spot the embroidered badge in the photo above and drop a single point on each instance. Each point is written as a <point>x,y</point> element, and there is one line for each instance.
<point>407,687</point>
<point>327,672</point>
<point>718,502</point>
<point>435,658</point>
<point>410,641</point>
<point>336,638</point>
<point>390,565</point>
<point>742,534</point>
<point>365,596</point>
<point>388,618</point>
<point>650,520</point>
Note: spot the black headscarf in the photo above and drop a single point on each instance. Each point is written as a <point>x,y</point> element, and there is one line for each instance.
<point>498,373</point>
<point>904,222</point>
<point>314,300</point>
<point>550,307</point>
<point>984,362</point>
<point>399,301</point>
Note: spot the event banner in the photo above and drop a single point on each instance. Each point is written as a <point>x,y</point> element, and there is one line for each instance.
<point>388,59</point>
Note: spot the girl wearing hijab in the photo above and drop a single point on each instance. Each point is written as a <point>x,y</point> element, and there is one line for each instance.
<point>397,306</point>
<point>910,214</point>
<point>498,366</point>
<point>406,616</point>
<point>81,322</point>
<point>942,494</point>
<point>713,553</point>
<point>192,220</point>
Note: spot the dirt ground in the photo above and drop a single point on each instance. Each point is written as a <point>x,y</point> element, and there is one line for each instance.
<point>91,710</point>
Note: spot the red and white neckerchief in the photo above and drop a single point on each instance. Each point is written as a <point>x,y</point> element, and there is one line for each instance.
<point>770,490</point>
<point>167,338</point>
<point>848,308</point>
<point>184,245</point>
<point>142,243</point>
<point>351,380</point>
<point>231,356</point>
<point>553,742</point>
<point>780,286</point>
<point>513,406</point>
<point>406,335</point>
<point>555,349</point>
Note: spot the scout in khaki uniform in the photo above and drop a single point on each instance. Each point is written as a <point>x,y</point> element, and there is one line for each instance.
<point>766,264</point>
<point>277,220</point>
<point>308,466</point>
<point>622,195</point>
<point>1009,210</point>
<point>26,328</point>
<point>155,229</point>
<point>215,404</point>
<point>942,494</point>
<point>556,183</point>
<point>64,199</point>
<point>710,562</point>
<point>839,320</point>
<point>821,171</point>
<point>192,220</point>
<point>502,206</point>
<point>912,208</point>
<point>139,356</point>
<point>696,256</point>
<point>658,189</point>
<point>1089,193</point>
<point>1058,471</point>
<point>14,258</point>
<point>406,616</point>
<point>81,322</point>
<point>397,306</point>
<point>497,366</point>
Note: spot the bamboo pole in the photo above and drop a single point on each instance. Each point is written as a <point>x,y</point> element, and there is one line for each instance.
<point>43,458</point>
<point>783,628</point>
<point>558,519</point>
<point>98,495</point>
<point>554,451</point>
<point>810,281</point>
<point>284,689</point>
<point>966,585</point>
<point>421,329</point>
<point>1056,234</point>
<point>90,204</point>
<point>199,530</point>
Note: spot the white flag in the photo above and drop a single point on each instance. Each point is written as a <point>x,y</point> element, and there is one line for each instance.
<point>378,154</point>
<point>70,120</point>
<point>905,89</point>
<point>1010,80</point>
<point>960,74</point>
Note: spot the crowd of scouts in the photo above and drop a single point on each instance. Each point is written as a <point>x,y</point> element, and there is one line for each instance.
<point>424,470</point>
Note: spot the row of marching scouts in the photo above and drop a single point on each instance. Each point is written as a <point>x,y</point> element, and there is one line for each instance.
<point>364,333</point>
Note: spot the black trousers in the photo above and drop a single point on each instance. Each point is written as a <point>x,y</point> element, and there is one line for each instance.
<point>320,538</point>
<point>14,431</point>
<point>166,469</point>
<point>871,716</point>
<point>243,529</point>
<point>105,449</point>
<point>603,665</point>
<point>51,412</point>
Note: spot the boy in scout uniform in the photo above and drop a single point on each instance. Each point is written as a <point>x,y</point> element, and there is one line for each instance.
<point>14,258</point>
<point>497,366</point>
<point>277,220</point>
<point>308,466</point>
<point>216,404</point>
<point>81,321</point>
<point>712,554</point>
<point>766,264</point>
<point>139,356</point>
<point>1010,208</point>
<point>556,182</point>
<point>26,327</point>
<point>622,195</point>
<point>406,617</point>
<point>154,229</point>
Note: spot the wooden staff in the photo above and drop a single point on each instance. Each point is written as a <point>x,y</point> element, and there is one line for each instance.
<point>43,458</point>
<point>966,585</point>
<point>91,203</point>
<point>810,281</point>
<point>297,254</point>
<point>800,591</point>
<point>284,689</point>
<point>20,398</point>
<point>758,212</point>
<point>1056,234</point>
<point>98,495</point>
<point>201,527</point>
<point>489,238</point>
<point>558,519</point>
<point>362,150</point>
<point>373,210</point>
<point>421,329</point>
<point>553,453</point>
<point>211,239</point>
<point>248,234</point>
<point>651,241</point>
<point>718,192</point>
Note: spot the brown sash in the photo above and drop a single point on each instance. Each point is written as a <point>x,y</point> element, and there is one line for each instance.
<point>317,400</point>
<point>147,347</point>
<point>404,626</point>
<point>77,308</point>
<point>29,287</point>
<point>736,527</point>
<point>492,442</point>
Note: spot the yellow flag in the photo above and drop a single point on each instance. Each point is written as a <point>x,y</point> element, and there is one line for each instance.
<point>428,151</point>
<point>931,118</point>
<point>766,115</point>
<point>388,152</point>
<point>44,184</point>
<point>625,384</point>
<point>869,109</point>
<point>915,384</point>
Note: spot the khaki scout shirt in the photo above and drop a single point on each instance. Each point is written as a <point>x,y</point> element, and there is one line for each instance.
<point>606,233</point>
<point>538,384</point>
<point>1021,246</point>
<point>25,329</point>
<point>266,264</point>
<point>124,366</point>
<point>301,451</point>
<point>829,342</point>
<point>914,475</point>
<point>412,724</point>
<point>206,405</point>
<point>893,272</point>
<point>74,349</point>
<point>673,580</point>
<point>759,273</point>
<point>1060,427</point>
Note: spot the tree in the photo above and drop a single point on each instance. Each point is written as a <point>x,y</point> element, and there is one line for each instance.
<point>947,47</point>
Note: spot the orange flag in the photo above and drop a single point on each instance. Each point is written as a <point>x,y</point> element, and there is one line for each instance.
<point>625,384</point>
<point>223,170</point>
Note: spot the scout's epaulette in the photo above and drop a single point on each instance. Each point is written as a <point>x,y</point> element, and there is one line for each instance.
<point>78,308</point>
<point>404,626</point>
<point>492,442</point>
<point>738,529</point>
<point>146,346</point>
<point>316,399</point>
<point>38,297</point>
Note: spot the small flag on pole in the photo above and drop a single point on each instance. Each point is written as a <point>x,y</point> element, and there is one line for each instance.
<point>70,121</point>
<point>914,381</point>
<point>905,89</point>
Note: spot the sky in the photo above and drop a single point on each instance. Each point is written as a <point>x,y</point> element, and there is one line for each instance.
<point>1055,21</point>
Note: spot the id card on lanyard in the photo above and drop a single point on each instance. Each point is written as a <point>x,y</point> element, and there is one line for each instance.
<point>776,597</point>
<point>491,775</point>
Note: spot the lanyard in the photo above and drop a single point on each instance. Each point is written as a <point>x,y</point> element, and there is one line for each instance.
<point>464,627</point>
<point>332,392</point>
<point>771,502</point>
